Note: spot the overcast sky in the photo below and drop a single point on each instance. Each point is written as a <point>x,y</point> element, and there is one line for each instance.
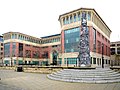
<point>40,17</point>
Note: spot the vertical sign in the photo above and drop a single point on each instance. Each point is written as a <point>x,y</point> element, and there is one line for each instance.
<point>84,53</point>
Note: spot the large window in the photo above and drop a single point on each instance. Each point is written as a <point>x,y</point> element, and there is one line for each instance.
<point>7,49</point>
<point>71,39</point>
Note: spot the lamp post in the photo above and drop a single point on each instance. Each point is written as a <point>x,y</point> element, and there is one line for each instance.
<point>102,56</point>
<point>11,62</point>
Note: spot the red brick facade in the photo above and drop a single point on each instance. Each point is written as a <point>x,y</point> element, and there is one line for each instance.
<point>99,40</point>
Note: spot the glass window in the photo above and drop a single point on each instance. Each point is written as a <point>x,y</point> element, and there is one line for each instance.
<point>67,20</point>
<point>7,50</point>
<point>94,39</point>
<point>13,36</point>
<point>89,16</point>
<point>60,60</point>
<point>94,60</point>
<point>79,18</point>
<point>112,45</point>
<point>118,50</point>
<point>1,38</point>
<point>72,37</point>
<point>112,51</point>
<point>91,60</point>
<point>106,50</point>
<point>74,17</point>
<point>118,44</point>
<point>64,21</point>
<point>70,60</point>
<point>71,19</point>
<point>77,39</point>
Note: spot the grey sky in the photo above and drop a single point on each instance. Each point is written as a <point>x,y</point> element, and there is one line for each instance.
<point>40,17</point>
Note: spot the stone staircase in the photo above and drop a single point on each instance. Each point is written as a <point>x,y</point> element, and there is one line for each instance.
<point>86,76</point>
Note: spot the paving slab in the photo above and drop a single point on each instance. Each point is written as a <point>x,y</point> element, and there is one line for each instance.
<point>12,80</point>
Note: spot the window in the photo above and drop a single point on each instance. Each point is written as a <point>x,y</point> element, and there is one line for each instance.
<point>118,50</point>
<point>106,39</point>
<point>70,60</point>
<point>64,21</point>
<point>79,18</point>
<point>54,46</point>
<point>71,43</point>
<point>94,39</point>
<point>1,49</point>
<point>91,60</point>
<point>6,49</point>
<point>112,45</point>
<point>74,17</point>
<point>98,34</point>
<point>1,44</point>
<point>77,39</point>
<point>13,36</point>
<point>71,19</point>
<point>106,50</point>
<point>1,53</point>
<point>118,44</point>
<point>67,20</point>
<point>66,41</point>
<point>112,51</point>
<point>89,16</point>
<point>102,37</point>
<point>94,60</point>
<point>27,45</point>
<point>99,47</point>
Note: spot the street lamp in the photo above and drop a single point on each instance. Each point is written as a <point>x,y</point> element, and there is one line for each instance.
<point>11,62</point>
<point>102,56</point>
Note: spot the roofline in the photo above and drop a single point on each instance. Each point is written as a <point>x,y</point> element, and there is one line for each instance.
<point>85,9</point>
<point>115,42</point>
<point>22,34</point>
<point>50,36</point>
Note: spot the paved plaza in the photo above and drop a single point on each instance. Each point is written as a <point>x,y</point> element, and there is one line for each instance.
<point>11,80</point>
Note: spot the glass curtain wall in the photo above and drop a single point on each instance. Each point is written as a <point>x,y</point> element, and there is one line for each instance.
<point>71,40</point>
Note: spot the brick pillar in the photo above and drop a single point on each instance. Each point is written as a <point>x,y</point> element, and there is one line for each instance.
<point>62,41</point>
<point>17,49</point>
<point>23,51</point>
<point>17,52</point>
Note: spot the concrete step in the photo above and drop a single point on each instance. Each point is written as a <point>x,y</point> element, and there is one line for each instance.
<point>87,76</point>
